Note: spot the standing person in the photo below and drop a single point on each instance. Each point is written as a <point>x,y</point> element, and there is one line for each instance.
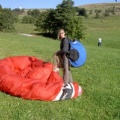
<point>99,41</point>
<point>61,58</point>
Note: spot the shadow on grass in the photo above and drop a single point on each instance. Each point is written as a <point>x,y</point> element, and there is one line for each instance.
<point>48,35</point>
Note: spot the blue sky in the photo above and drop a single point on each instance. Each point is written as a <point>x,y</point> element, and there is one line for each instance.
<point>44,3</point>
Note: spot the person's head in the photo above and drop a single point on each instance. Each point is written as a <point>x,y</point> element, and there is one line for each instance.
<point>61,34</point>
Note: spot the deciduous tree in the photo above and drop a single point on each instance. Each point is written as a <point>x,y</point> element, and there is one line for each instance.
<point>7,20</point>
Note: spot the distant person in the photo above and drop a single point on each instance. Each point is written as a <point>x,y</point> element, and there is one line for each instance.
<point>99,41</point>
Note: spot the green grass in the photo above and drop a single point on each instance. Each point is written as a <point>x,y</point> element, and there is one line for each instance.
<point>25,28</point>
<point>99,77</point>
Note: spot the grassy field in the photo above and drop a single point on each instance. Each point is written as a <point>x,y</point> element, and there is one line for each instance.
<point>102,6</point>
<point>99,77</point>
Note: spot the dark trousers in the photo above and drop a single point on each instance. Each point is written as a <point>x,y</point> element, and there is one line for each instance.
<point>99,43</point>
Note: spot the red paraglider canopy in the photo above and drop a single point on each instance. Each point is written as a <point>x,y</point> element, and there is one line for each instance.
<point>31,78</point>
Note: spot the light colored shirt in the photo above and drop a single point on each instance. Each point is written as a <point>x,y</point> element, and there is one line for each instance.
<point>99,40</point>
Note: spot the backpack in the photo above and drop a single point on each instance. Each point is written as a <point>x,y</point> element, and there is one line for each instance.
<point>77,54</point>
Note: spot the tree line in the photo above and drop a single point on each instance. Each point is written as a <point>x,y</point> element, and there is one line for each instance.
<point>97,13</point>
<point>48,22</point>
<point>7,19</point>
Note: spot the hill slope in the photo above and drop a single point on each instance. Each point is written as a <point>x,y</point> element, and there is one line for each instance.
<point>100,6</point>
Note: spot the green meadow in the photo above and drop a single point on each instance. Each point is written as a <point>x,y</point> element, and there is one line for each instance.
<point>99,77</point>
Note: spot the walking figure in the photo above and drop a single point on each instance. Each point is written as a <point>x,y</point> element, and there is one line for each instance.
<point>99,41</point>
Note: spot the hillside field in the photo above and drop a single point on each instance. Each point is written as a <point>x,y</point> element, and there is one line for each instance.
<point>100,6</point>
<point>99,77</point>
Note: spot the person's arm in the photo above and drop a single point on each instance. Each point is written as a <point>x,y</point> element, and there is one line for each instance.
<point>65,45</point>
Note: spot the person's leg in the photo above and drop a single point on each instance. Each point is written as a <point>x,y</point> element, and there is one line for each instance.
<point>62,62</point>
<point>70,76</point>
<point>67,76</point>
<point>58,61</point>
<point>98,43</point>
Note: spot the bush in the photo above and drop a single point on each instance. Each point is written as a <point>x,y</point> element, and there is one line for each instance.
<point>7,21</point>
<point>34,13</point>
<point>28,19</point>
<point>64,16</point>
<point>76,29</point>
<point>18,11</point>
<point>106,14</point>
<point>0,7</point>
<point>97,15</point>
<point>83,12</point>
<point>90,12</point>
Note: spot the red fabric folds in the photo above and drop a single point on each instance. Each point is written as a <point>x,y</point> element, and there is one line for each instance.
<point>29,78</point>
